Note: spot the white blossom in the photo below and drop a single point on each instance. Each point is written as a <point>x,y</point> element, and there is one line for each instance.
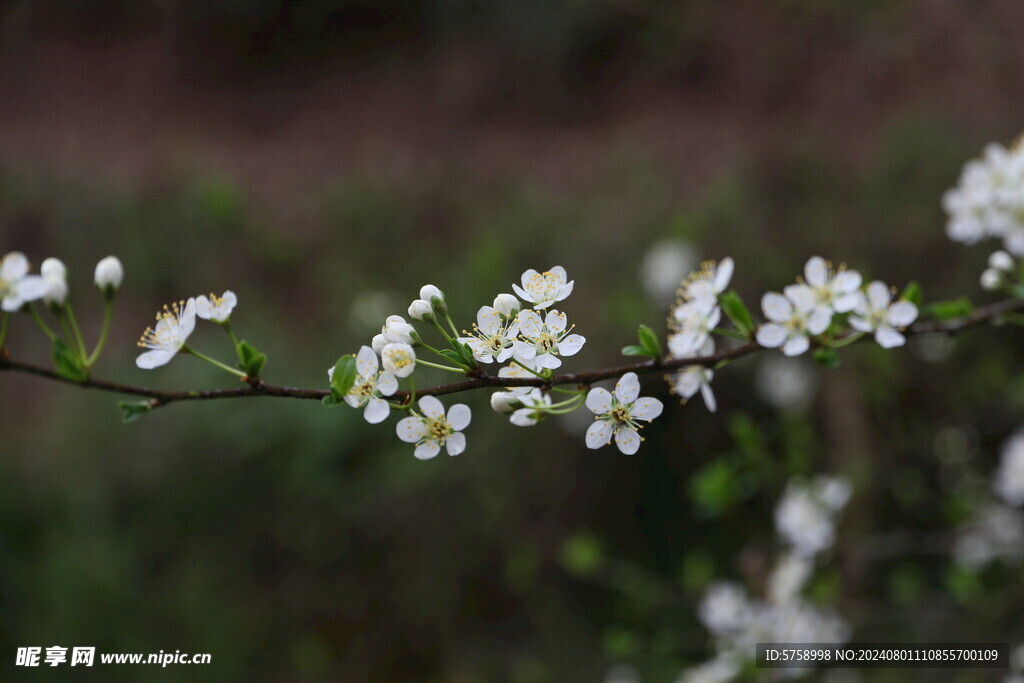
<point>617,414</point>
<point>792,318</point>
<point>421,310</point>
<point>541,290</point>
<point>836,290</point>
<point>786,383</point>
<point>876,312</point>
<point>505,402</point>
<point>54,273</point>
<point>432,429</point>
<point>692,323</point>
<point>664,265</point>
<point>708,282</point>
<point>691,379</point>
<point>805,517</point>
<point>173,326</point>
<point>535,405</point>
<point>429,292</point>
<point>399,359</point>
<point>109,274</point>
<point>507,305</point>
<point>370,385</point>
<point>495,338</point>
<point>995,532</point>
<point>1000,260</point>
<point>789,577</point>
<point>548,339</point>
<point>989,199</point>
<point>724,608</point>
<point>17,287</point>
<point>216,308</point>
<point>991,279</point>
<point>397,331</point>
<point>1009,477</point>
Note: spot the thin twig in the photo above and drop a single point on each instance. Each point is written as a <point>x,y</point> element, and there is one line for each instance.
<point>256,388</point>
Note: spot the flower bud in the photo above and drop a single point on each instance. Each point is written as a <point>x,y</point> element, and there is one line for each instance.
<point>109,275</point>
<point>397,331</point>
<point>991,279</point>
<point>378,343</point>
<point>430,292</point>
<point>56,290</point>
<point>507,305</point>
<point>505,402</point>
<point>1000,260</point>
<point>53,267</point>
<point>421,310</point>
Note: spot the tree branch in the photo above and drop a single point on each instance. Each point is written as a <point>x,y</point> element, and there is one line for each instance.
<point>979,316</point>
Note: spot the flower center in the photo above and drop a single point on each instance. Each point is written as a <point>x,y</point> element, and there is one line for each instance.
<point>547,341</point>
<point>438,430</point>
<point>543,286</point>
<point>620,414</point>
<point>166,336</point>
<point>5,288</point>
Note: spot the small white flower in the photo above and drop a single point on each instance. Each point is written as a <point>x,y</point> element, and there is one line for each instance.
<point>421,310</point>
<point>834,290</point>
<point>1000,260</point>
<point>789,577</point>
<point>431,430</point>
<point>507,305</point>
<point>618,412</point>
<point>1009,477</point>
<point>724,609</point>
<point>991,279</point>
<point>109,274</point>
<point>535,405</point>
<point>805,517</point>
<point>55,275</point>
<point>174,324</point>
<point>496,339</point>
<point>516,371</point>
<point>548,339</point>
<point>989,199</point>
<point>664,265</point>
<point>17,287</point>
<point>369,386</point>
<point>216,308</point>
<point>397,331</point>
<point>692,323</point>
<point>793,317</point>
<point>708,282</point>
<point>875,313</point>
<point>378,343</point>
<point>691,379</point>
<point>399,359</point>
<point>429,292</point>
<point>543,289</point>
<point>505,402</point>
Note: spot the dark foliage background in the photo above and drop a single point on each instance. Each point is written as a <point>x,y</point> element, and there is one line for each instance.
<point>324,160</point>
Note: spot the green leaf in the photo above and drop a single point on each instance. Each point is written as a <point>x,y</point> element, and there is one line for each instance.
<point>737,311</point>
<point>133,410</point>
<point>68,363</point>
<point>649,341</point>
<point>948,310</point>
<point>452,356</point>
<point>634,350</point>
<point>250,360</point>
<point>329,401</point>
<point>344,376</point>
<point>912,293</point>
<point>827,358</point>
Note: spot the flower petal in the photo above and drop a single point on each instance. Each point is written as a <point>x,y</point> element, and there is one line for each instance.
<point>203,307</point>
<point>771,335</point>
<point>564,291</point>
<point>723,274</point>
<point>523,417</point>
<point>154,359</point>
<point>802,296</point>
<point>529,323</point>
<point>599,401</point>
<point>646,408</point>
<point>902,313</point>
<point>599,434</point>
<point>459,416</point>
<point>456,443</point>
<point>627,440</point>
<point>846,282</point>
<point>188,320</point>
<point>366,361</point>
<point>387,384</point>
<point>559,273</point>
<point>427,450</point>
<point>776,307</point>
<point>796,345</point>
<point>488,320</point>
<point>816,271</point>
<point>888,338</point>
<point>521,293</point>
<point>431,407</point>
<point>32,287</point>
<point>879,295</point>
<point>411,429</point>
<point>376,411</point>
<point>860,324</point>
<point>14,266</point>
<point>556,321</point>
<point>549,361</point>
<point>627,388</point>
<point>819,320</point>
<point>709,397</point>
<point>571,345</point>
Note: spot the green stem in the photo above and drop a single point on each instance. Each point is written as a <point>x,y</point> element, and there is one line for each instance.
<point>846,341</point>
<point>74,328</point>
<point>566,410</point>
<point>574,392</point>
<point>3,329</point>
<point>107,314</point>
<point>451,324</point>
<point>439,366</point>
<point>562,404</point>
<point>43,326</point>
<point>227,328</point>
<point>530,370</point>
<point>440,329</point>
<point>211,361</point>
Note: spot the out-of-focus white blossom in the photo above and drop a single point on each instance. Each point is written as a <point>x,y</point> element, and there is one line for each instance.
<point>995,532</point>
<point>806,516</point>
<point>664,265</point>
<point>1009,478</point>
<point>17,287</point>
<point>988,201</point>
<point>991,279</point>
<point>691,379</point>
<point>109,275</point>
<point>836,290</point>
<point>216,308</point>
<point>54,273</point>
<point>505,402</point>
<point>789,577</point>
<point>1000,260</point>
<point>792,319</point>
<point>876,312</point>
<point>786,383</point>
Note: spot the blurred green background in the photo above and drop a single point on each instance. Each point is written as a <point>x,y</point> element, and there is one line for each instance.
<point>324,160</point>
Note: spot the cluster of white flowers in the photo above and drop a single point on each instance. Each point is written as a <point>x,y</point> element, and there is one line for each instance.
<point>176,322</point>
<point>996,530</point>
<point>691,323</point>
<point>808,308</point>
<point>988,201</point>
<point>18,287</point>
<point>739,621</point>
